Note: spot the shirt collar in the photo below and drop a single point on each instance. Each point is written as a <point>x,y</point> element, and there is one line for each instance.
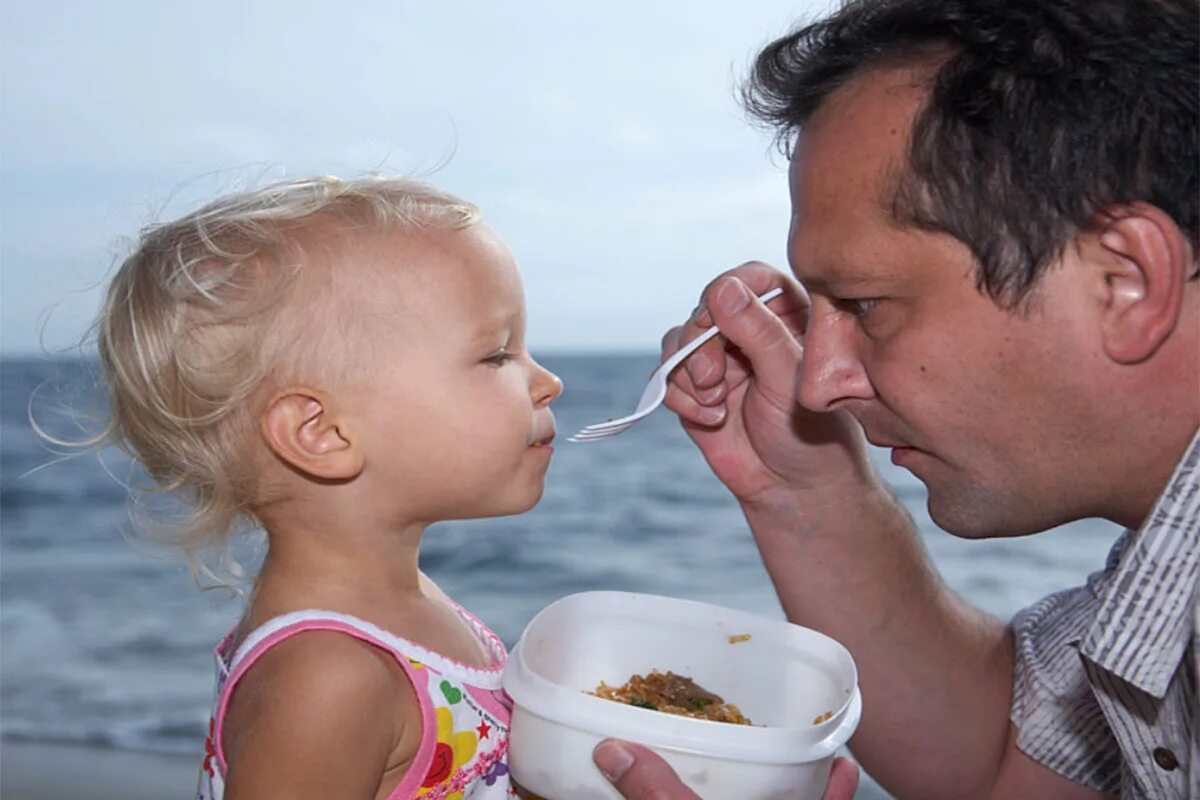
<point>1145,619</point>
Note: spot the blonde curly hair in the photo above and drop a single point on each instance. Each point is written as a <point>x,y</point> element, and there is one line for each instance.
<point>192,330</point>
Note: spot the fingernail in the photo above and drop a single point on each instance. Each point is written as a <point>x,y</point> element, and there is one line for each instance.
<point>712,415</point>
<point>613,760</point>
<point>700,315</point>
<point>732,297</point>
<point>712,394</point>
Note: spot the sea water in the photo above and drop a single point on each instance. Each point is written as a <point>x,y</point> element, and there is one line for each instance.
<point>109,643</point>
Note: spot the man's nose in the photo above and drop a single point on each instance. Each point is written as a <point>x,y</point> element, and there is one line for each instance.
<point>831,372</point>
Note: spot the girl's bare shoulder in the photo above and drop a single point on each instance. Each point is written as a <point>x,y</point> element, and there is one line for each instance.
<point>307,714</point>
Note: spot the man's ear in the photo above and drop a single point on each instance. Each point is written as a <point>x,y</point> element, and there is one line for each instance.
<point>1145,262</point>
<point>299,427</point>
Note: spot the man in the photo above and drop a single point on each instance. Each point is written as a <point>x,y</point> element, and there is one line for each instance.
<point>995,217</point>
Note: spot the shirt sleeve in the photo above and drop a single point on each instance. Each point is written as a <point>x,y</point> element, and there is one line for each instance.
<point>1059,723</point>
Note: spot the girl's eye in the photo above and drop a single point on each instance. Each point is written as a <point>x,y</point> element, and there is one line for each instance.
<point>499,358</point>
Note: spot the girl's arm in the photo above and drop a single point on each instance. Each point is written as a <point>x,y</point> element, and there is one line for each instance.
<point>321,715</point>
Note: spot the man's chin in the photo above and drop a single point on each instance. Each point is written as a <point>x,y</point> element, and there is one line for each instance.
<point>975,514</point>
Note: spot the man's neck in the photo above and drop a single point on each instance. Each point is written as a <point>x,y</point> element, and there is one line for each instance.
<point>1148,480</point>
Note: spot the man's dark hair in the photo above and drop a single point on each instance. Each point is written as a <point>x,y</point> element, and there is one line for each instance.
<point>1041,114</point>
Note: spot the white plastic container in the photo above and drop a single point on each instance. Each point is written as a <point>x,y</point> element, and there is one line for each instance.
<point>783,677</point>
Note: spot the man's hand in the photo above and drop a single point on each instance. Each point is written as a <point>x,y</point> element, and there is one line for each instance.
<point>640,774</point>
<point>736,396</point>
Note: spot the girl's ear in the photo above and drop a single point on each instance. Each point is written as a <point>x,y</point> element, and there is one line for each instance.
<point>1145,262</point>
<point>300,427</point>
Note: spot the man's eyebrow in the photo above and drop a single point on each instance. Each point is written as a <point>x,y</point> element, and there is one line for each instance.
<point>824,280</point>
<point>856,279</point>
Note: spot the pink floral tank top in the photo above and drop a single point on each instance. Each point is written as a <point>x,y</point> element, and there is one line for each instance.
<point>465,714</point>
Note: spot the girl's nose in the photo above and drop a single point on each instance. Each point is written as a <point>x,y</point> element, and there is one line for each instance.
<point>546,386</point>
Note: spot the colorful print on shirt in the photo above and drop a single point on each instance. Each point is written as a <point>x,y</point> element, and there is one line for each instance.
<point>465,713</point>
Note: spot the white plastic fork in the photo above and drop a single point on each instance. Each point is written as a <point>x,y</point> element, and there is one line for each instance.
<point>656,388</point>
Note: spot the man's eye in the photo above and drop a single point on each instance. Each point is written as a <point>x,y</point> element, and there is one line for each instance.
<point>863,307</point>
<point>859,307</point>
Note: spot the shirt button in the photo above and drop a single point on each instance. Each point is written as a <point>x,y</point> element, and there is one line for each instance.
<point>1165,759</point>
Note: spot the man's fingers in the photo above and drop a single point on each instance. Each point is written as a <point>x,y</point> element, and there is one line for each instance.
<point>843,780</point>
<point>712,394</point>
<point>765,340</point>
<point>638,773</point>
<point>705,396</point>
<point>670,343</point>
<point>689,410</point>
<point>704,367</point>
<point>709,365</point>
<point>760,334</point>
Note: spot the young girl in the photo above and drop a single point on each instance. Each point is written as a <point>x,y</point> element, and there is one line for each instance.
<point>342,363</point>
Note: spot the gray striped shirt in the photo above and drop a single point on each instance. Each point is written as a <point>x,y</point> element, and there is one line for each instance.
<point>1105,684</point>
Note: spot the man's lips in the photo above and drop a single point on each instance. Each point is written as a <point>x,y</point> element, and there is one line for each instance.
<point>902,454</point>
<point>545,441</point>
<point>888,443</point>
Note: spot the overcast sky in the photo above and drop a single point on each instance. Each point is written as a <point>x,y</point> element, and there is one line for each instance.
<point>603,141</point>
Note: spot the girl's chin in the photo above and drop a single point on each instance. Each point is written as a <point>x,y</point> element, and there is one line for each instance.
<point>534,500</point>
<point>513,503</point>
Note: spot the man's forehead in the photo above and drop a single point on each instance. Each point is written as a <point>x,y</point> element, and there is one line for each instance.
<point>846,166</point>
<point>861,128</point>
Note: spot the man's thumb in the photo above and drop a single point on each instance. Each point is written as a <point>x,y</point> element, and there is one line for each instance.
<point>639,773</point>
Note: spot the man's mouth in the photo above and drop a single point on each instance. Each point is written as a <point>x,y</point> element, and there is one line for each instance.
<point>888,444</point>
<point>899,448</point>
<point>544,442</point>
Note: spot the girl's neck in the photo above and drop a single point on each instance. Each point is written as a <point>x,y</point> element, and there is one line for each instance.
<point>372,576</point>
<point>376,565</point>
